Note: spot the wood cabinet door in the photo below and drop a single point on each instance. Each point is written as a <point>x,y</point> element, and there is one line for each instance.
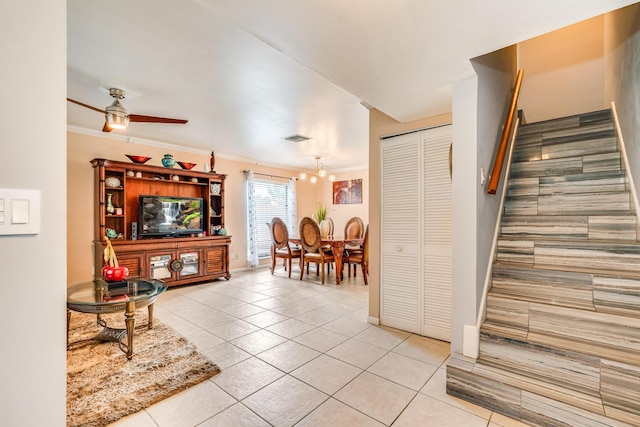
<point>216,260</point>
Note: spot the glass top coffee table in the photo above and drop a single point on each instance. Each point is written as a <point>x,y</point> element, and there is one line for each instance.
<point>100,297</point>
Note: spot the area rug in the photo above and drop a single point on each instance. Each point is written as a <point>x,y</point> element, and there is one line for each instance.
<point>103,386</point>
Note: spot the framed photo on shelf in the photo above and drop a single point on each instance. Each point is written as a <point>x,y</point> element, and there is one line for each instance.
<point>347,192</point>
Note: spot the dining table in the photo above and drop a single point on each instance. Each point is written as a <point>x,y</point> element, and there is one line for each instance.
<point>337,245</point>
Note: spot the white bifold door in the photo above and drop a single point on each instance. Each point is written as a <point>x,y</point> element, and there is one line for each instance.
<point>416,235</point>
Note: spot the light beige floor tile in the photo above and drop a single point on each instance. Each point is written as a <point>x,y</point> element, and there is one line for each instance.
<point>427,350</point>
<point>376,397</point>
<point>318,317</point>
<point>346,326</point>
<point>225,355</point>
<point>242,311</point>
<point>139,419</point>
<point>266,318</point>
<point>292,309</point>
<point>499,420</point>
<point>237,415</point>
<point>326,373</point>
<point>429,412</point>
<point>380,336</point>
<point>232,330</point>
<point>403,370</point>
<point>186,328</point>
<point>320,339</point>
<point>436,387</point>
<point>361,315</point>
<point>192,406</point>
<point>258,341</point>
<point>290,328</point>
<point>338,308</point>
<point>246,377</point>
<point>288,356</point>
<point>357,353</point>
<point>204,339</point>
<point>336,414</point>
<point>285,401</point>
<point>269,303</point>
<point>209,318</point>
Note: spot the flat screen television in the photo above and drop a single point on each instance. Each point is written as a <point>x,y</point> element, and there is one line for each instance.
<point>169,216</point>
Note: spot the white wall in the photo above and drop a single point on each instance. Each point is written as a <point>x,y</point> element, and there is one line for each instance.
<point>622,85</point>
<point>33,285</point>
<point>480,105</point>
<point>563,71</point>
<point>465,206</point>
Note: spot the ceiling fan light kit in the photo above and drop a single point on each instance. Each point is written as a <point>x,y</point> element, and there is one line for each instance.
<point>117,117</point>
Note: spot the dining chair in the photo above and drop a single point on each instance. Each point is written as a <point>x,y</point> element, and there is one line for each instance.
<point>353,229</point>
<point>281,248</point>
<point>311,241</point>
<point>362,257</point>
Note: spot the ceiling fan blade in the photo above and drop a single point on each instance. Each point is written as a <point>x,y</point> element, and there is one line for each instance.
<point>85,105</point>
<point>106,127</point>
<point>152,119</point>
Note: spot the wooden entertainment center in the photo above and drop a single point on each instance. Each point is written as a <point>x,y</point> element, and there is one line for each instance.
<point>180,260</point>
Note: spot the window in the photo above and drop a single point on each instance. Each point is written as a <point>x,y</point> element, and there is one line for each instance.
<point>271,201</point>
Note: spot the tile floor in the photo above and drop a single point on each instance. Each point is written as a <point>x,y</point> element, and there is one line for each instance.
<point>300,353</point>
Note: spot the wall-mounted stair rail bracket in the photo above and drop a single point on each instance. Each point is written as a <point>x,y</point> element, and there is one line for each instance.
<point>504,140</point>
<point>625,158</point>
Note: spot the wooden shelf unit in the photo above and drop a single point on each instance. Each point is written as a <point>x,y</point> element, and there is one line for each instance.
<point>202,258</point>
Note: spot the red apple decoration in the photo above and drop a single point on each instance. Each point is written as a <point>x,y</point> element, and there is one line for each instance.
<point>114,274</point>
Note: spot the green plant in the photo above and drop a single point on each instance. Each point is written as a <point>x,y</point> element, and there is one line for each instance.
<point>321,213</point>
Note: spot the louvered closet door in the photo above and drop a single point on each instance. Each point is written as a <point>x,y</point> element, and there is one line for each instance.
<point>401,287</point>
<point>415,280</point>
<point>437,220</point>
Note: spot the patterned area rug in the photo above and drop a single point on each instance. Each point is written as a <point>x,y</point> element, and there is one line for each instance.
<point>103,386</point>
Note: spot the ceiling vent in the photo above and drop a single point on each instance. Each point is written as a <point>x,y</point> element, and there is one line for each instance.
<point>296,138</point>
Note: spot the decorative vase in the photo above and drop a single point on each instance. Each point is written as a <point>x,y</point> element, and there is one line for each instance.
<point>325,227</point>
<point>212,163</point>
<point>110,208</point>
<point>167,161</point>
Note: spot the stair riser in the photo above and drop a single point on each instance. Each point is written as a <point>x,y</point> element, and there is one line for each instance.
<point>571,227</point>
<point>590,256</point>
<point>570,204</point>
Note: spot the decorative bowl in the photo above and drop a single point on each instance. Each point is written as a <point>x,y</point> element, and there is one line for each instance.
<point>138,159</point>
<point>186,165</point>
<point>112,182</point>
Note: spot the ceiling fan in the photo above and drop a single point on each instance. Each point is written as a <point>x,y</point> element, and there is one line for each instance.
<point>117,117</point>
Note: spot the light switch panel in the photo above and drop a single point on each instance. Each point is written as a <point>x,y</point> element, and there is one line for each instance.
<point>19,211</point>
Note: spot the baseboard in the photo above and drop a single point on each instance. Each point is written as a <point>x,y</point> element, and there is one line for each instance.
<point>373,320</point>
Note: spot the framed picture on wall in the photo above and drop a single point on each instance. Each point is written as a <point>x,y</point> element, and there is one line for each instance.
<point>347,192</point>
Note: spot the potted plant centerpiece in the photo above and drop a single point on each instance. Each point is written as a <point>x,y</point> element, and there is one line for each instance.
<point>321,215</point>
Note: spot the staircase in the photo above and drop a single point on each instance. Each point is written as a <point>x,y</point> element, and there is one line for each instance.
<point>560,345</point>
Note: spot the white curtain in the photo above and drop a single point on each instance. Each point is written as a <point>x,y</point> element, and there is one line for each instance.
<point>252,247</point>
<point>292,208</point>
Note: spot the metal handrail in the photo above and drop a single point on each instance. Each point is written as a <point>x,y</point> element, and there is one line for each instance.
<point>504,140</point>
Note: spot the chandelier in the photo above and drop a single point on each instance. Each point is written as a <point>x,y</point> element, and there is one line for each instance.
<point>320,171</point>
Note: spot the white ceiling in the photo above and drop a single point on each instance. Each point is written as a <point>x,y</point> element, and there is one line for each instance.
<point>247,73</point>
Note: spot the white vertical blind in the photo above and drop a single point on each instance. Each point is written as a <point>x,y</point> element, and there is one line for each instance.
<point>271,200</point>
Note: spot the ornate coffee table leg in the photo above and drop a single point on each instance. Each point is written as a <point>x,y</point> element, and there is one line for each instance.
<point>130,323</point>
<point>150,309</point>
